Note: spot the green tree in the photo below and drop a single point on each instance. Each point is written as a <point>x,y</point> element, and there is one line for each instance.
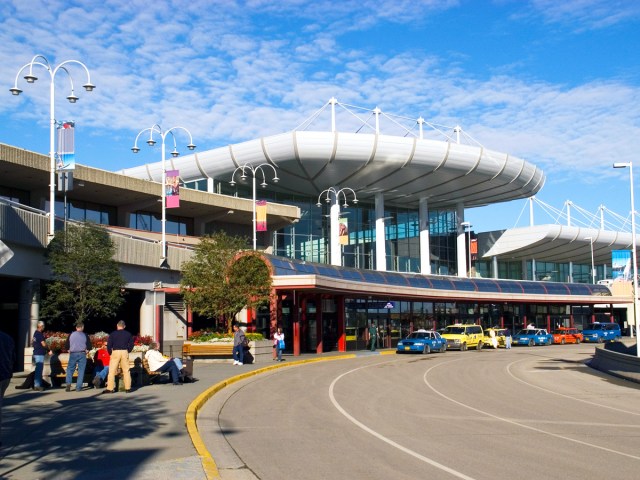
<point>221,279</point>
<point>87,282</point>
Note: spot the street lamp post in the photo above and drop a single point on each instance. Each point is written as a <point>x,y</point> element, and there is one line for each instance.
<point>467,227</point>
<point>633,252</point>
<point>593,266</point>
<point>258,170</point>
<point>151,142</point>
<point>332,195</point>
<point>41,61</point>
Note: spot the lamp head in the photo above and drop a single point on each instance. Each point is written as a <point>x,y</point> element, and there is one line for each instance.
<point>232,183</point>
<point>355,201</point>
<point>135,149</point>
<point>72,98</point>
<point>263,184</point>
<point>276,179</point>
<point>175,153</point>
<point>15,91</point>
<point>346,205</point>
<point>243,176</point>
<point>620,165</point>
<point>30,78</point>
<point>89,87</point>
<point>151,142</point>
<point>318,204</point>
<point>191,146</point>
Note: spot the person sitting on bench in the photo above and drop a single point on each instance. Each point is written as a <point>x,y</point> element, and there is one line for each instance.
<point>160,363</point>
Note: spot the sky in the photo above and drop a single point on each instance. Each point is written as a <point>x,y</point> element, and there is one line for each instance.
<point>556,83</point>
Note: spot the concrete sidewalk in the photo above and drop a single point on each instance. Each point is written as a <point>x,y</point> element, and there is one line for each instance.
<point>141,435</point>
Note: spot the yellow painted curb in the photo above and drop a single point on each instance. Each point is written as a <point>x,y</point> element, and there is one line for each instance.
<point>208,463</point>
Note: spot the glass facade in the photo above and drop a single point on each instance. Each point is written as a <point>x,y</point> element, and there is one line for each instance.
<point>308,239</point>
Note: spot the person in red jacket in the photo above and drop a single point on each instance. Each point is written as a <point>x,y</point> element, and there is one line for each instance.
<point>101,361</point>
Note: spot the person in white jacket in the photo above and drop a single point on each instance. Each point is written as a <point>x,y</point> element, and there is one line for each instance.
<point>278,343</point>
<point>160,363</point>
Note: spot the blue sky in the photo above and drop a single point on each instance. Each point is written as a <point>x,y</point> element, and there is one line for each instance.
<point>554,82</point>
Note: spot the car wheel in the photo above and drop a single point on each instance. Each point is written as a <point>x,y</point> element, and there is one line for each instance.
<point>599,339</point>
<point>480,345</point>
<point>426,349</point>
<point>443,348</point>
<point>577,341</point>
<point>563,341</point>
<point>463,347</point>
<point>531,342</point>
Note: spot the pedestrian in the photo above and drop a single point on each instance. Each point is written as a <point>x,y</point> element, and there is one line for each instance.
<point>373,336</point>
<point>7,361</point>
<point>78,344</point>
<point>494,340</point>
<point>507,338</point>
<point>238,345</point>
<point>119,345</point>
<point>278,343</point>
<point>101,370</point>
<point>161,363</point>
<point>39,351</point>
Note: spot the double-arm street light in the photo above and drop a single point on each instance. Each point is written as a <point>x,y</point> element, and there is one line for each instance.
<point>593,266</point>
<point>467,227</point>
<point>254,172</point>
<point>41,61</point>
<point>151,142</point>
<point>332,195</point>
<point>634,284</point>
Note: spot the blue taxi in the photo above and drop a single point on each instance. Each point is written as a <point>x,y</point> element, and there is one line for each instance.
<point>422,341</point>
<point>602,332</point>
<point>533,336</point>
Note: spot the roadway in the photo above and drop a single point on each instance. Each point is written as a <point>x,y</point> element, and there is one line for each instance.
<point>528,413</point>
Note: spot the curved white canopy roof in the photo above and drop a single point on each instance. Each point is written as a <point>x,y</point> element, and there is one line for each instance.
<point>404,169</point>
<point>559,243</point>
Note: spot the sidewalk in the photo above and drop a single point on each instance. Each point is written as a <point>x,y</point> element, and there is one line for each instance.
<point>75,435</point>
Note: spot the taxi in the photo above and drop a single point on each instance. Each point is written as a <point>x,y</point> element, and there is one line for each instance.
<point>422,341</point>
<point>564,335</point>
<point>500,334</point>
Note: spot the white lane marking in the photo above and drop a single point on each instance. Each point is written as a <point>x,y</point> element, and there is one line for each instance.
<point>518,424</point>
<point>385,439</point>
<point>512,375</point>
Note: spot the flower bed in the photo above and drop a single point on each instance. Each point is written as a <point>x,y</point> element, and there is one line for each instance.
<point>56,342</point>
<point>202,336</point>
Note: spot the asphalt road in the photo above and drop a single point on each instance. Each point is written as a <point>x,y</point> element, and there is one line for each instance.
<point>526,413</point>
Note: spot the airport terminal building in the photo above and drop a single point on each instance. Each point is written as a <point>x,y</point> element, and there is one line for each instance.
<point>356,226</point>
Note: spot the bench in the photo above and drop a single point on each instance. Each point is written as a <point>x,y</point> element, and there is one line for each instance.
<point>207,349</point>
<point>152,376</point>
<point>59,371</point>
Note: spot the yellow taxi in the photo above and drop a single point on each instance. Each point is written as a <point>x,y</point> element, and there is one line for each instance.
<point>500,336</point>
<point>463,336</point>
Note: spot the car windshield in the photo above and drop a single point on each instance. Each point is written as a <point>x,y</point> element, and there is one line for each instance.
<point>561,332</point>
<point>419,335</point>
<point>595,326</point>
<point>526,332</point>
<point>454,330</point>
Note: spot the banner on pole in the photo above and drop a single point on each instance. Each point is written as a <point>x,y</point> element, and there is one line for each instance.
<point>343,231</point>
<point>172,188</point>
<point>66,146</point>
<point>261,215</point>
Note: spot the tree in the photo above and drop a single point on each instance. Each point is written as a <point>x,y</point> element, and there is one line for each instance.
<point>87,282</point>
<point>221,279</point>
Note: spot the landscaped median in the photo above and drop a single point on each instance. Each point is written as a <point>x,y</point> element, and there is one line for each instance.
<point>208,463</point>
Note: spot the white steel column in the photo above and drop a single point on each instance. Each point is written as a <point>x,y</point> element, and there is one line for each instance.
<point>334,232</point>
<point>381,254</point>
<point>494,261</point>
<point>425,250</point>
<point>460,243</point>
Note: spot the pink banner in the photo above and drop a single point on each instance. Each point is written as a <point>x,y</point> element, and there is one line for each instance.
<point>172,188</point>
